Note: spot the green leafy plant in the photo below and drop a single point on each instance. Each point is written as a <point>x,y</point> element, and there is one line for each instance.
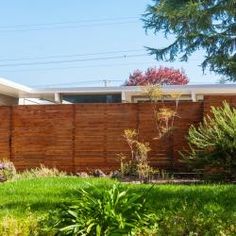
<point>213,142</point>
<point>108,212</point>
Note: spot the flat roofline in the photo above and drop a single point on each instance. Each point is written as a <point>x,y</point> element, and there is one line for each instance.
<point>14,85</point>
<point>11,88</point>
<point>119,89</point>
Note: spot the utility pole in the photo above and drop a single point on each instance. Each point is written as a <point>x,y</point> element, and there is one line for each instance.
<point>106,82</point>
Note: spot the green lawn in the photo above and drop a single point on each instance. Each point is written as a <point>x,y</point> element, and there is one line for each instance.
<point>180,207</point>
<point>41,194</point>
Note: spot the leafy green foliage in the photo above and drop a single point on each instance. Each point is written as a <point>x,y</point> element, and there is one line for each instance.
<point>212,207</point>
<point>213,142</point>
<point>108,212</point>
<point>208,24</point>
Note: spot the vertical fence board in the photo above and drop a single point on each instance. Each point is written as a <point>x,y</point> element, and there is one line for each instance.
<point>5,132</point>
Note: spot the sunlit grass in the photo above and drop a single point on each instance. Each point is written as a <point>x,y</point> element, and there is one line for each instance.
<point>38,196</point>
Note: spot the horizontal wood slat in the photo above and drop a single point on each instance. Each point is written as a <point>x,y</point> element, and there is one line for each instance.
<point>89,136</point>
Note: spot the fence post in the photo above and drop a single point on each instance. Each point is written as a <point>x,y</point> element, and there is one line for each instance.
<point>137,117</point>
<point>105,134</point>
<point>73,137</point>
<point>10,132</point>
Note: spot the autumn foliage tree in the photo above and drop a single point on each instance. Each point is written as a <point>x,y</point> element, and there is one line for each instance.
<point>157,76</point>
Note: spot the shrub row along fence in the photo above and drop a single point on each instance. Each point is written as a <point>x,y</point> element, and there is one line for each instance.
<point>89,136</point>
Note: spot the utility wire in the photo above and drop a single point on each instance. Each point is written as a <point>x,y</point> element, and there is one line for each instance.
<point>65,27</point>
<point>71,55</point>
<point>69,22</point>
<point>150,63</point>
<point>72,60</point>
<point>80,67</point>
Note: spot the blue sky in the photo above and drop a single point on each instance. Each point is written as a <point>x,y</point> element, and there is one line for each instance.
<point>92,40</point>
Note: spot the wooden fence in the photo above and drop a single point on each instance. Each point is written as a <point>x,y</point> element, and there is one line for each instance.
<point>89,136</point>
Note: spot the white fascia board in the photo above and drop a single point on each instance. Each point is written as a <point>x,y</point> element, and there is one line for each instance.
<point>196,89</point>
<point>212,88</point>
<point>137,90</point>
<point>15,85</point>
<point>11,88</point>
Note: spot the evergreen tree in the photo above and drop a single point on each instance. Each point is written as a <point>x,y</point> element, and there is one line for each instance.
<point>204,24</point>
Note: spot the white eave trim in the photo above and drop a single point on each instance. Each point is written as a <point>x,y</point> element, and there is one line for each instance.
<point>186,89</point>
<point>13,89</point>
<point>14,85</point>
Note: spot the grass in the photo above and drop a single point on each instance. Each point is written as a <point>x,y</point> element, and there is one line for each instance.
<point>194,206</point>
<point>40,194</point>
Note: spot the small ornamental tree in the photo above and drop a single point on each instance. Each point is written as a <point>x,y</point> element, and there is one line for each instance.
<point>157,76</point>
<point>136,164</point>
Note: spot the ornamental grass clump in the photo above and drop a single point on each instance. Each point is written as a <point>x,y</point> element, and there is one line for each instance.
<point>40,172</point>
<point>213,142</point>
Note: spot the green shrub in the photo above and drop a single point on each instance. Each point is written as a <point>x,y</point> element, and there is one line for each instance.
<point>105,212</point>
<point>213,142</point>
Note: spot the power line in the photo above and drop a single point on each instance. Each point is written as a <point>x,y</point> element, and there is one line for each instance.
<point>6,30</point>
<point>79,67</point>
<point>85,67</point>
<point>67,27</point>
<point>72,60</point>
<point>71,55</point>
<point>69,22</point>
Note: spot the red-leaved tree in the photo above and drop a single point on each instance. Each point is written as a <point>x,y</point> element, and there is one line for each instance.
<point>159,76</point>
